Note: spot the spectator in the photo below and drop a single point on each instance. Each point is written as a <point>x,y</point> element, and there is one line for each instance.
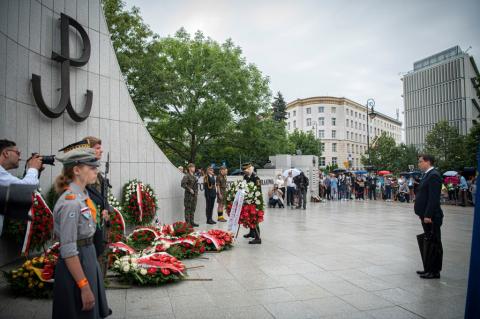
<point>404,191</point>
<point>388,189</point>
<point>463,187</point>
<point>290,189</point>
<point>301,181</point>
<point>334,187</point>
<point>280,182</point>
<point>275,197</point>
<point>328,187</point>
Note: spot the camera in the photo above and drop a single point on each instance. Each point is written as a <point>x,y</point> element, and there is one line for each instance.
<point>47,159</point>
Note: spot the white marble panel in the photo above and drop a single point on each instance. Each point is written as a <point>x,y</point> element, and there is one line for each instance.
<point>71,8</point>
<point>104,94</point>
<point>114,100</point>
<point>35,22</point>
<point>23,22</point>
<point>3,116</point>
<point>3,62</point>
<point>12,19</point>
<point>59,6</point>
<point>3,16</point>
<point>82,12</point>
<point>23,77</point>
<point>93,63</point>
<point>94,14</point>
<point>12,69</point>
<point>46,35</point>
<point>94,85</point>
<point>10,119</point>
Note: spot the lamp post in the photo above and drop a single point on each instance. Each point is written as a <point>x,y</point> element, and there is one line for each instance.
<point>370,114</point>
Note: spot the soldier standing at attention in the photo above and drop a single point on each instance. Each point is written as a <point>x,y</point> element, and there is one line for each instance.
<point>221,192</point>
<point>78,291</point>
<point>250,176</point>
<point>95,193</point>
<point>209,186</point>
<point>190,184</point>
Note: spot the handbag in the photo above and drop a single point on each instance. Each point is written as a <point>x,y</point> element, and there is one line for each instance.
<point>431,251</point>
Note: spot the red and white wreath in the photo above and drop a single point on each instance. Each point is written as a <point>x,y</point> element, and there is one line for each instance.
<point>139,203</point>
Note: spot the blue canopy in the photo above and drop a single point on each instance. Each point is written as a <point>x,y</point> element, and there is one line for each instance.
<point>360,172</point>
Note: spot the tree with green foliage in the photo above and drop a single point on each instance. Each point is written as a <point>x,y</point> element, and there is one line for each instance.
<point>472,143</point>
<point>305,142</point>
<point>279,107</point>
<point>382,154</point>
<point>447,145</point>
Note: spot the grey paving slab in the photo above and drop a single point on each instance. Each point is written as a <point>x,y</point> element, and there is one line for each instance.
<point>366,301</point>
<point>329,306</point>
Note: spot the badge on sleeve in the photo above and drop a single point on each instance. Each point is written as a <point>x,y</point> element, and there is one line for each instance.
<point>70,197</point>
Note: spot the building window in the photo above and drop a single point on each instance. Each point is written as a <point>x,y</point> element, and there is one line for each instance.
<point>348,148</point>
<point>334,147</point>
<point>334,110</point>
<point>294,113</point>
<point>334,121</point>
<point>321,134</point>
<point>334,134</point>
<point>363,127</point>
<point>294,124</point>
<point>321,109</point>
<point>322,147</point>
<point>347,121</point>
<point>334,161</point>
<point>309,110</point>
<point>309,122</point>
<point>322,161</point>
<point>356,114</point>
<point>356,127</point>
<point>321,121</point>
<point>348,135</point>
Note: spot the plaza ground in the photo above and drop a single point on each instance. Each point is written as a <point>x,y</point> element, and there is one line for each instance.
<point>333,260</point>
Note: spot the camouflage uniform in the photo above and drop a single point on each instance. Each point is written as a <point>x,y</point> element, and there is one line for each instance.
<point>189,182</point>
<point>222,194</point>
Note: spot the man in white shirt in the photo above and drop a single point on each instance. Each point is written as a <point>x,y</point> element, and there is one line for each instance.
<point>9,159</point>
<point>290,189</point>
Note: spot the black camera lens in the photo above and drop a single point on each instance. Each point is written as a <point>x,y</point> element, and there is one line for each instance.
<point>48,159</point>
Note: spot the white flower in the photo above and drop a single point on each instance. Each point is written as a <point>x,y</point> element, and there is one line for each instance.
<point>117,263</point>
<point>126,268</point>
<point>258,194</point>
<point>257,202</point>
<point>143,271</point>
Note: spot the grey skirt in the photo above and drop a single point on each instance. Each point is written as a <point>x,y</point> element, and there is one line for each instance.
<point>67,299</point>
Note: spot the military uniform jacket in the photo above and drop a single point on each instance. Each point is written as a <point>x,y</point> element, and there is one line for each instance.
<point>254,179</point>
<point>73,220</point>
<point>189,182</point>
<point>222,184</point>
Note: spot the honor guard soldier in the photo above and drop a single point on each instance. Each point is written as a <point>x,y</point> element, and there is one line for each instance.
<point>79,291</point>
<point>210,189</point>
<point>98,192</point>
<point>221,192</point>
<point>190,184</point>
<point>250,177</point>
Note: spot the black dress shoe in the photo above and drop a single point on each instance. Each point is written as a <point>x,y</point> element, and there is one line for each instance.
<point>195,225</point>
<point>430,275</point>
<point>255,241</point>
<point>211,222</point>
<point>421,272</point>
<point>249,235</point>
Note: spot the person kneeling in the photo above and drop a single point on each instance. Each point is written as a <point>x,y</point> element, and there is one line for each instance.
<point>275,197</point>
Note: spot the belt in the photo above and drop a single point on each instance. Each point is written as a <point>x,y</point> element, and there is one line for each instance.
<point>85,242</point>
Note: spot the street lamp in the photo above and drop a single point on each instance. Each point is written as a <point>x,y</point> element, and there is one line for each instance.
<point>370,114</point>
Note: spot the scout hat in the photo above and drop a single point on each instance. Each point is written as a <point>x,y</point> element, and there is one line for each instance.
<point>78,153</point>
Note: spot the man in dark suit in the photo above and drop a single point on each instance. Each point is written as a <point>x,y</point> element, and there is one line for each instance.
<point>427,207</point>
<point>209,185</point>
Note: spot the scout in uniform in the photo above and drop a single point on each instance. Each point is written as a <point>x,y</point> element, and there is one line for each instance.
<point>190,184</point>
<point>78,290</point>
<point>221,192</point>
<point>250,176</point>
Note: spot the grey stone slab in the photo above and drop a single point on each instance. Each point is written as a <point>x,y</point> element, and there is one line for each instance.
<point>400,296</point>
<point>12,19</point>
<point>308,292</point>
<point>329,306</point>
<point>11,69</point>
<point>3,16</point>
<point>257,312</point>
<point>392,313</point>
<point>71,8</point>
<point>82,12</point>
<point>3,63</point>
<point>191,301</point>
<point>24,94</point>
<point>94,14</point>
<point>46,35</point>
<point>340,288</point>
<point>366,301</point>
<point>24,22</point>
<point>293,309</point>
<point>274,295</point>
<point>146,304</point>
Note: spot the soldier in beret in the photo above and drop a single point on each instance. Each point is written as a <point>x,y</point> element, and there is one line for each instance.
<point>190,184</point>
<point>79,290</point>
<point>250,176</point>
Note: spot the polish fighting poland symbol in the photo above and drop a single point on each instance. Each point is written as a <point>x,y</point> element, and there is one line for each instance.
<point>66,61</point>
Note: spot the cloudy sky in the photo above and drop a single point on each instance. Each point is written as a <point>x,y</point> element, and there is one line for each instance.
<point>357,49</point>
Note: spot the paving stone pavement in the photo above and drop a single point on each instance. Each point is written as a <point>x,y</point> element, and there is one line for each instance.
<point>333,260</point>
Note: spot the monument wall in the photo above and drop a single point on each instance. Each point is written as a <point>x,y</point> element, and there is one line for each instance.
<point>29,32</point>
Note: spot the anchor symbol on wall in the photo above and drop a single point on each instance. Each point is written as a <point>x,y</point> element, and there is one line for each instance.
<point>66,61</point>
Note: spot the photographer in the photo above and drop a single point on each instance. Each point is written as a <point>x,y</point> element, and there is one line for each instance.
<point>9,159</point>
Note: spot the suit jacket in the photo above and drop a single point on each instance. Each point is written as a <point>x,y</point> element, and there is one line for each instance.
<point>209,186</point>
<point>427,199</point>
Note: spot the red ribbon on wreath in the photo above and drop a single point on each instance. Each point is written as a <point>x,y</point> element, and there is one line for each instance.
<point>139,200</point>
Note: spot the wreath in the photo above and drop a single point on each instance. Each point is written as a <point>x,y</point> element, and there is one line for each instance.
<point>177,229</point>
<point>139,203</point>
<point>116,231</point>
<point>36,232</point>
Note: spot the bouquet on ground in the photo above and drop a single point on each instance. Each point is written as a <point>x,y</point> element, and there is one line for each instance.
<point>177,229</point>
<point>118,250</point>
<point>189,246</point>
<point>149,269</point>
<point>217,240</point>
<point>139,203</point>
<point>142,237</point>
<point>36,276</point>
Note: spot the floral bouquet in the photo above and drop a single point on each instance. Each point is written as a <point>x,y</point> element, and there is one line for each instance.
<point>142,237</point>
<point>35,233</point>
<point>217,240</point>
<point>252,211</point>
<point>36,276</point>
<point>187,247</point>
<point>118,250</point>
<point>177,229</point>
<point>149,269</point>
<point>116,231</point>
<point>139,203</point>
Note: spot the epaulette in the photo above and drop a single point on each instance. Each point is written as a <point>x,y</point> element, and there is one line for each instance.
<point>70,196</point>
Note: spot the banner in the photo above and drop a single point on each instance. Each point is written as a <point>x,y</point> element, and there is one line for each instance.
<point>235,211</point>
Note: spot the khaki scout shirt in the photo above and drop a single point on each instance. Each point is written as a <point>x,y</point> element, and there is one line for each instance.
<point>73,220</point>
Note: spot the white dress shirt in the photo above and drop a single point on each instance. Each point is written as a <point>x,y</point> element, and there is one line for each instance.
<point>31,178</point>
